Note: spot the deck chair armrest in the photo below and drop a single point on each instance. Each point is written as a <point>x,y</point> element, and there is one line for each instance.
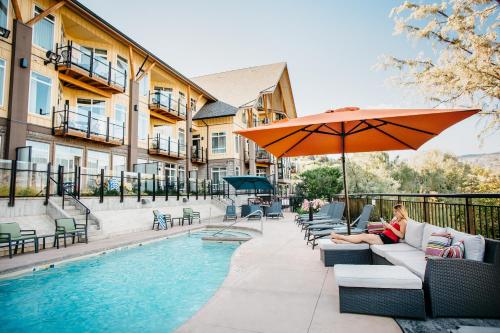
<point>5,236</point>
<point>28,232</point>
<point>82,225</point>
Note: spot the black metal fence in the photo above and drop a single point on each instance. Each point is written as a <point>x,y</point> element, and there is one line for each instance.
<point>466,212</point>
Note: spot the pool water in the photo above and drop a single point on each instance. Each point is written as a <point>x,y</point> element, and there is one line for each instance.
<point>150,288</point>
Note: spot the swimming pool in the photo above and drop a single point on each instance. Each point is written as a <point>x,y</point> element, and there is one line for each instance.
<point>151,288</point>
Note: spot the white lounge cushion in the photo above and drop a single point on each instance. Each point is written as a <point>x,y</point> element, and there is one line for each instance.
<point>376,276</point>
<point>474,245</point>
<point>382,250</point>
<point>413,260</point>
<point>327,244</point>
<point>414,233</point>
<point>429,229</point>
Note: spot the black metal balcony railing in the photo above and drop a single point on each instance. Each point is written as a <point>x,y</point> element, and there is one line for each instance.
<point>71,56</point>
<point>159,100</point>
<point>166,146</point>
<point>198,154</point>
<point>87,125</point>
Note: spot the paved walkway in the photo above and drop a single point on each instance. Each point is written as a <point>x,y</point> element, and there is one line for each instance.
<point>278,284</point>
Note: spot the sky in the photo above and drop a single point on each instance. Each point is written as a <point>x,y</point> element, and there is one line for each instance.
<point>331,48</point>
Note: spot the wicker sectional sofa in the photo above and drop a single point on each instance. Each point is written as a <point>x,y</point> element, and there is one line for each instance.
<point>468,287</point>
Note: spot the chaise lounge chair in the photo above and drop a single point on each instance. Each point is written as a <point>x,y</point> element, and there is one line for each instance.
<point>255,213</point>
<point>230,213</point>
<point>275,210</point>
<point>11,233</point>
<point>323,212</point>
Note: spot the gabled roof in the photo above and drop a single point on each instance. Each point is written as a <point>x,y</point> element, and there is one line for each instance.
<point>215,110</point>
<point>242,87</point>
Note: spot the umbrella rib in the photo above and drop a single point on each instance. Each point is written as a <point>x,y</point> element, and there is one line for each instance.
<point>407,127</point>
<point>298,142</point>
<point>320,132</point>
<point>393,137</point>
<point>286,136</point>
<point>370,126</point>
<point>331,129</point>
<point>352,129</point>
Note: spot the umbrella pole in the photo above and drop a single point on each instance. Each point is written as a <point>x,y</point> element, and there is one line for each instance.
<point>344,175</point>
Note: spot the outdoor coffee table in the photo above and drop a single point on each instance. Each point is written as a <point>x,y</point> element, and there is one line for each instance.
<point>43,238</point>
<point>333,254</point>
<point>383,290</point>
<point>179,219</point>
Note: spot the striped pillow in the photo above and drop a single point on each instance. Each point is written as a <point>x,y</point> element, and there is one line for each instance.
<point>375,227</point>
<point>456,250</point>
<point>437,243</point>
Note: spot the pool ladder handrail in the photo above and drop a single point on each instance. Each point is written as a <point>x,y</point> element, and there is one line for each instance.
<point>245,217</point>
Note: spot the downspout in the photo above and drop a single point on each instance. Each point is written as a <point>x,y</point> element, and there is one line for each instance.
<point>208,149</point>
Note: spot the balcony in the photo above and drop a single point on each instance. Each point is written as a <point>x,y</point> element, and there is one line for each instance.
<point>85,125</point>
<point>81,69</point>
<point>263,157</point>
<point>198,155</point>
<point>165,105</point>
<point>166,147</point>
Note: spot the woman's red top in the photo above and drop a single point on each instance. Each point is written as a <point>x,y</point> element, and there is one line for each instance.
<point>389,233</point>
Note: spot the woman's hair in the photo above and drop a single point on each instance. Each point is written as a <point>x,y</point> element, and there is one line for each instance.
<point>401,210</point>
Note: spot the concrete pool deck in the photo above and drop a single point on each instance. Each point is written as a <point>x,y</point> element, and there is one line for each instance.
<point>278,284</point>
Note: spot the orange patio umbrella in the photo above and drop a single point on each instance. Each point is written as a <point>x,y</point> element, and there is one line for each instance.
<point>353,130</point>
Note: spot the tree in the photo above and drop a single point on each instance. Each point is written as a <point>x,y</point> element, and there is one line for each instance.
<point>320,183</point>
<point>465,69</point>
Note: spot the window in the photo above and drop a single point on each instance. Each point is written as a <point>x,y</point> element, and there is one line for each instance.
<point>43,31</point>
<point>39,151</point>
<point>4,10</point>
<point>2,79</point>
<point>182,140</point>
<point>193,105</point>
<point>218,173</point>
<point>219,142</point>
<point>143,126</point>
<point>237,143</point>
<point>119,164</point>
<point>243,117</point>
<point>97,107</point>
<point>69,157</point>
<point>40,94</point>
<point>236,170</point>
<point>171,173</point>
<point>261,172</point>
<point>97,160</point>
<point>144,85</point>
<point>120,119</point>
<point>182,176</point>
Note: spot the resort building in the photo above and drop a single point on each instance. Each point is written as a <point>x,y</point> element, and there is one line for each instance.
<point>247,97</point>
<point>77,92</point>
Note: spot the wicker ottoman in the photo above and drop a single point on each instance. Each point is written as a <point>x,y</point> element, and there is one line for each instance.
<point>380,290</point>
<point>332,254</point>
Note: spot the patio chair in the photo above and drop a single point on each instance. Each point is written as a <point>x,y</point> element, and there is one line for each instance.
<point>161,219</point>
<point>255,213</point>
<point>190,215</point>
<point>335,216</point>
<point>67,227</point>
<point>11,233</point>
<point>358,226</point>
<point>275,210</point>
<point>230,213</point>
<point>323,212</point>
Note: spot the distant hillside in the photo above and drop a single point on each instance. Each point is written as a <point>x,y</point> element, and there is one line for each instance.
<point>490,161</point>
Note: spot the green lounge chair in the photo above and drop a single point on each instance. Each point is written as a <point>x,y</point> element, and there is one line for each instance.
<point>274,211</point>
<point>67,227</point>
<point>230,213</point>
<point>159,215</point>
<point>323,212</point>
<point>11,233</point>
<point>190,215</point>
<point>255,213</point>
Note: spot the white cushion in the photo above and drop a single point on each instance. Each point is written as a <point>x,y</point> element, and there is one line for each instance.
<point>376,276</point>
<point>382,250</point>
<point>413,260</point>
<point>474,245</point>
<point>414,233</point>
<point>327,244</point>
<point>429,229</point>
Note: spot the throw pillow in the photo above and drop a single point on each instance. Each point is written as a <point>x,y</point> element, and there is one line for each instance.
<point>375,227</point>
<point>437,243</point>
<point>414,233</point>
<point>456,250</point>
<point>430,229</point>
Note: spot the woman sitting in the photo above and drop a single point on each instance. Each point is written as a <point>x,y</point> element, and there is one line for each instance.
<point>393,231</point>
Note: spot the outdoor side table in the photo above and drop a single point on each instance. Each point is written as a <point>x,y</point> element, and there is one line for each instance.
<point>383,290</point>
<point>43,238</point>
<point>333,254</point>
<point>179,219</point>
